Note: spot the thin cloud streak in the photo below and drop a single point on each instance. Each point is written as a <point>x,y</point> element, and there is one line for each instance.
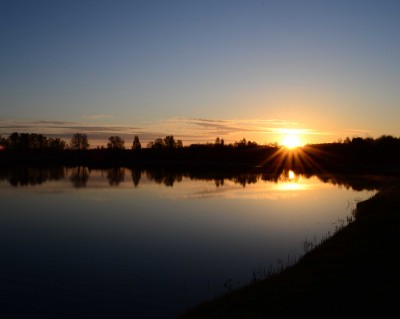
<point>98,117</point>
<point>356,131</point>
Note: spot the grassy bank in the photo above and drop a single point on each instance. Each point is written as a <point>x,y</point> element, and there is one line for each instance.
<point>356,273</point>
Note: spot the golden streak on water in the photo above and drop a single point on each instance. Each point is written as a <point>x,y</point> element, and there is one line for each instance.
<point>290,182</point>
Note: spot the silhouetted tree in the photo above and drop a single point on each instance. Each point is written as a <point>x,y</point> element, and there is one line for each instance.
<point>357,141</point>
<point>158,143</point>
<point>38,141</point>
<point>251,144</point>
<point>115,143</point>
<point>387,140</point>
<point>240,144</point>
<point>219,142</point>
<point>136,144</point>
<point>79,141</point>
<point>14,141</point>
<point>56,144</point>
<point>26,141</point>
<point>179,144</point>
<point>150,144</point>
<point>169,141</point>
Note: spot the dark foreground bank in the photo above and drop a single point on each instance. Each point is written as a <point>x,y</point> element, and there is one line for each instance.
<point>354,273</point>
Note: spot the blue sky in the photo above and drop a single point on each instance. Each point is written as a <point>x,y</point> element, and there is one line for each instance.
<point>200,69</point>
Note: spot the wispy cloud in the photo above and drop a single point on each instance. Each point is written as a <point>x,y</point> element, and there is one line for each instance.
<point>98,117</point>
<point>52,122</point>
<point>352,131</point>
<point>297,131</point>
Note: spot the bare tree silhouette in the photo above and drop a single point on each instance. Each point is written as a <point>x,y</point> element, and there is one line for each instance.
<point>79,141</point>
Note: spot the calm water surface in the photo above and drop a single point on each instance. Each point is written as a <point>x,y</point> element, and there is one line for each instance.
<point>123,243</point>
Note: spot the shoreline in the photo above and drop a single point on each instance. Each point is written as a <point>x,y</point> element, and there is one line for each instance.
<point>353,272</point>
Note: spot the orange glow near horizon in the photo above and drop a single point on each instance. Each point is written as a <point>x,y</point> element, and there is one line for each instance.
<point>291,139</point>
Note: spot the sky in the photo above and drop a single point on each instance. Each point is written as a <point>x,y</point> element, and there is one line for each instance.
<point>200,69</point>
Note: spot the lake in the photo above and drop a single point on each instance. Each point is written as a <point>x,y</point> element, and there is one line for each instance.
<point>137,243</point>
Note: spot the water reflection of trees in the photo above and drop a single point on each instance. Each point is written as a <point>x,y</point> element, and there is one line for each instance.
<point>245,179</point>
<point>24,176</point>
<point>356,182</point>
<point>164,176</point>
<point>170,177</point>
<point>136,176</point>
<point>79,176</point>
<point>115,175</point>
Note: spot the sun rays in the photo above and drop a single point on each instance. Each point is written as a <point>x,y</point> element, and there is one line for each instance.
<point>302,159</point>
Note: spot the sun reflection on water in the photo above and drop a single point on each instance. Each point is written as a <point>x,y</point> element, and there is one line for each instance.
<point>289,181</point>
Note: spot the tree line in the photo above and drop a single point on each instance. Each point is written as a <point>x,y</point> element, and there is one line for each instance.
<point>80,142</point>
<point>18,141</point>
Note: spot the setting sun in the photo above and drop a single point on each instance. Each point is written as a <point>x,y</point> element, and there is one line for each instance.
<point>291,141</point>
